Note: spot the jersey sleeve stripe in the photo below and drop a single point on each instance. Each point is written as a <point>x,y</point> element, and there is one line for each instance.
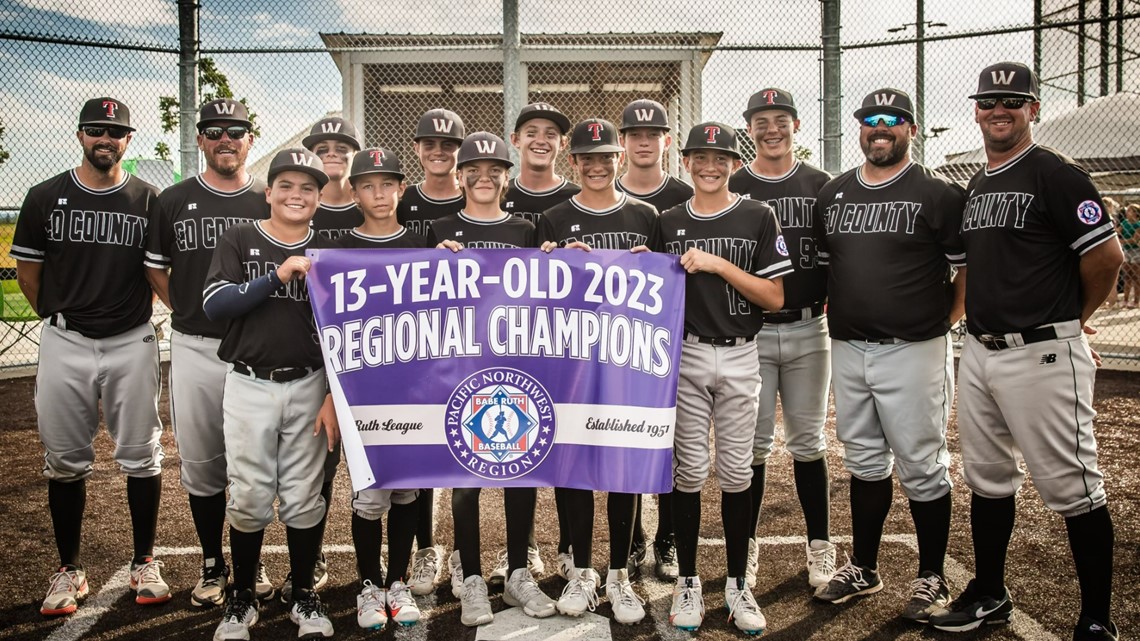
<point>20,252</point>
<point>1086,248</point>
<point>157,261</point>
<point>214,288</point>
<point>782,268</point>
<point>1092,239</point>
<point>956,260</point>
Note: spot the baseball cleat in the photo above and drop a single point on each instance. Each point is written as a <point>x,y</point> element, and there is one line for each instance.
<point>566,563</point>
<point>688,609</point>
<point>146,581</point>
<point>628,607</point>
<point>402,605</point>
<point>371,607</point>
<point>320,578</point>
<point>521,590</point>
<point>66,589</point>
<point>820,562</point>
<point>665,560</point>
<point>1090,630</point>
<point>263,588</point>
<point>752,563</point>
<point>743,611</point>
<point>850,581</point>
<point>455,569</point>
<point>928,594</point>
<point>426,566</point>
<point>637,554</point>
<point>534,561</point>
<point>499,574</point>
<point>971,609</point>
<point>475,606</point>
<point>310,616</point>
<point>580,594</point>
<point>238,617</point>
<point>211,587</point>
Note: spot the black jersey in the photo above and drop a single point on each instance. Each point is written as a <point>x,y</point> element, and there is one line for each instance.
<point>403,239</point>
<point>92,243</point>
<point>793,197</point>
<point>508,232</point>
<point>185,228</point>
<point>890,247</point>
<point>280,331</point>
<point>333,221</point>
<point>745,234</point>
<point>529,205</point>
<point>417,210</point>
<point>1025,227</point>
<point>670,193</point>
<point>626,225</point>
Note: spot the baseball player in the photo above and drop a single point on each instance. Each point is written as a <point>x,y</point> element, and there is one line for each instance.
<point>1042,258</point>
<point>795,359</point>
<point>335,141</point>
<point>484,165</point>
<point>377,184</point>
<point>888,231</point>
<point>278,419</point>
<point>599,217</point>
<point>187,223</point>
<point>735,257</point>
<point>79,245</point>
<point>645,137</point>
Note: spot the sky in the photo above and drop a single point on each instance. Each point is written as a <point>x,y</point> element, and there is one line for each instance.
<point>44,85</point>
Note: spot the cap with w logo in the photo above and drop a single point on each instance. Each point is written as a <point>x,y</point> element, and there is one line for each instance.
<point>594,136</point>
<point>1007,79</point>
<point>644,114</point>
<point>223,110</point>
<point>770,98</point>
<point>332,128</point>
<point>543,110</point>
<point>889,101</point>
<point>298,159</point>
<point>483,145</point>
<point>440,123</point>
<point>375,160</point>
<point>105,111</point>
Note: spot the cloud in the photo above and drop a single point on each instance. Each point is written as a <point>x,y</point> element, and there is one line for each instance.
<point>141,13</point>
<point>279,33</point>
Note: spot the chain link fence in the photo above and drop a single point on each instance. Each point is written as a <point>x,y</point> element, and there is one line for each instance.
<point>295,63</point>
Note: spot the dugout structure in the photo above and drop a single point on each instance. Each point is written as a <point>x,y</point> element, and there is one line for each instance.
<point>389,80</point>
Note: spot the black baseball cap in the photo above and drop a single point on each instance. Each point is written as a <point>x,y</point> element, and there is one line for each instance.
<point>887,100</point>
<point>440,123</point>
<point>375,160</point>
<point>594,136</point>
<point>1007,79</point>
<point>644,114</point>
<point>298,159</point>
<point>110,112</point>
<point>543,110</point>
<point>483,145</point>
<point>332,129</point>
<point>223,110</point>
<point>770,98</point>
<point>712,135</point>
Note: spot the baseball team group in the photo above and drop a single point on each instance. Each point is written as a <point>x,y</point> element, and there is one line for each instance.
<point>797,284</point>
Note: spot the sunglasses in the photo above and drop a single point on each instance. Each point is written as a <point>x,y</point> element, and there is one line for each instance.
<point>889,120</point>
<point>98,132</point>
<point>236,132</point>
<point>1011,102</point>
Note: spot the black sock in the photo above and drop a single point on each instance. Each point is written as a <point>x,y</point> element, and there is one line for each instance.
<point>870,503</point>
<point>518,508</point>
<point>620,512</point>
<point>638,531</point>
<point>1091,538</point>
<point>143,495</point>
<point>687,523</point>
<point>563,519</point>
<point>664,519</point>
<point>425,519</point>
<point>813,490</point>
<point>245,552</point>
<point>66,502</point>
<point>756,492</point>
<point>367,541</point>
<point>932,528</point>
<point>403,521</point>
<point>991,524</point>
<point>465,515</point>
<point>326,492</point>
<point>734,512</point>
<point>209,514</point>
<point>304,547</point>
<point>580,513</point>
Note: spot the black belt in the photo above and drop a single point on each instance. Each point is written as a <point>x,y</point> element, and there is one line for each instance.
<point>1005,341</point>
<point>883,341</point>
<point>720,341</point>
<point>814,310</point>
<point>278,375</point>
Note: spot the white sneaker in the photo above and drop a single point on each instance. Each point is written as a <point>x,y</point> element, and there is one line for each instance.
<point>566,563</point>
<point>311,617</point>
<point>499,574</point>
<point>522,590</point>
<point>211,586</point>
<point>628,607</point>
<point>580,594</point>
<point>263,588</point>
<point>426,568</point>
<point>688,609</point>
<point>820,562</point>
<point>753,563</point>
<point>455,569</point>
<point>66,589</point>
<point>475,606</point>
<point>238,617</point>
<point>146,581</point>
<point>402,605</point>
<point>742,608</point>
<point>534,561</point>
<point>370,610</point>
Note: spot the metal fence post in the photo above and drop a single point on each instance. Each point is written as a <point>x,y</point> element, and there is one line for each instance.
<point>188,86</point>
<point>513,97</point>
<point>832,89</point>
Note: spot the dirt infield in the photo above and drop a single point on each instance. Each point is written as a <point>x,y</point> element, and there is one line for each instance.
<point>1040,569</point>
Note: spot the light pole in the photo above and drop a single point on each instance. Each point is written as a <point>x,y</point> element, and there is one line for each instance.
<point>920,24</point>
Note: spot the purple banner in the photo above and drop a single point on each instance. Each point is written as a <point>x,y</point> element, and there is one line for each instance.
<point>502,368</point>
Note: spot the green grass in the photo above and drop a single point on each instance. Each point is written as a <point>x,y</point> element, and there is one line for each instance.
<point>15,306</point>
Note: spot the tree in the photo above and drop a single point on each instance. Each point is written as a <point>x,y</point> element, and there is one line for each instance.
<point>212,84</point>
<point>802,153</point>
<point>4,155</point>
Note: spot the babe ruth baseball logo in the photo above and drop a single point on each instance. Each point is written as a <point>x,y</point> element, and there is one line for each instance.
<point>712,131</point>
<point>486,146</point>
<point>770,96</point>
<point>1002,77</point>
<point>330,127</point>
<point>1089,212</point>
<point>301,159</point>
<point>111,106</point>
<point>643,115</point>
<point>595,130</point>
<point>500,423</point>
<point>884,99</point>
<point>377,157</point>
<point>442,125</point>
<point>781,246</point>
<point>226,108</point>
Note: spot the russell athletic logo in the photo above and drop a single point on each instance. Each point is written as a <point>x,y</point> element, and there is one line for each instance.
<point>500,423</point>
